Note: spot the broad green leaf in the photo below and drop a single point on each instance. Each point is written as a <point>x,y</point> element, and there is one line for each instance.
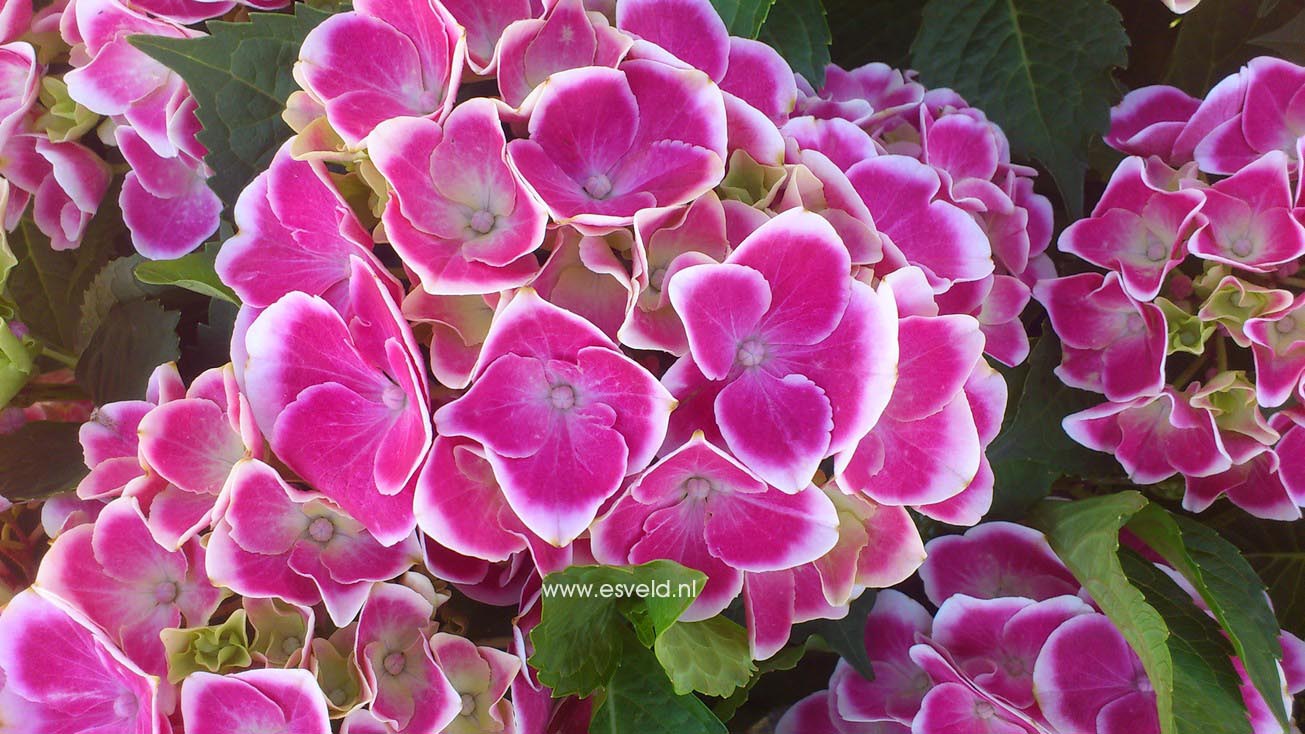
<point>1276,550</point>
<point>1085,534</point>
<point>1229,587</point>
<point>134,338</point>
<point>1215,38</point>
<point>47,286</point>
<point>1039,68</point>
<point>799,31</point>
<point>1287,41</point>
<point>114,284</point>
<point>240,76</point>
<point>39,460</point>
<point>588,614</point>
<point>785,659</point>
<point>1033,450</point>
<point>846,636</point>
<point>16,363</point>
<point>743,17</point>
<point>865,31</point>
<point>194,272</point>
<point>1206,697</point>
<point>640,700</point>
<point>710,656</point>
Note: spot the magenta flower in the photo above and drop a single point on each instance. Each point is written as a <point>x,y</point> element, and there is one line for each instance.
<point>64,181</point>
<point>585,275</point>
<point>485,23</point>
<point>701,508</point>
<point>562,414</point>
<point>270,701</point>
<point>383,59</point>
<point>898,686</point>
<point>663,142</point>
<point>113,572</point>
<point>20,79</point>
<point>993,560</point>
<point>457,216</point>
<point>481,676</point>
<point>111,442</point>
<point>1263,119</point>
<point>873,96</point>
<point>276,542</point>
<point>295,232</point>
<point>1153,437</point>
<point>1137,229</point>
<point>568,36</point>
<point>1252,223</point>
<point>166,201</point>
<point>412,694</point>
<point>1278,345</point>
<point>797,364</point>
<point>92,688</point>
<point>1149,121</point>
<point>343,399</point>
<point>458,327</point>
<point>1111,342</point>
<point>1105,691</point>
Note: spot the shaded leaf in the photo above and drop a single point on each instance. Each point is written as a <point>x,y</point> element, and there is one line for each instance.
<point>114,284</point>
<point>47,286</point>
<point>743,17</point>
<point>1229,587</point>
<point>799,30</point>
<point>1085,534</point>
<point>846,636</point>
<point>865,31</point>
<point>40,459</point>
<point>1206,697</point>
<point>240,76</point>
<point>16,362</point>
<point>194,272</point>
<point>583,630</point>
<point>1213,40</point>
<point>1276,550</point>
<point>640,700</point>
<point>1039,68</point>
<point>1287,41</point>
<point>785,659</point>
<point>710,656</point>
<point>134,338</point>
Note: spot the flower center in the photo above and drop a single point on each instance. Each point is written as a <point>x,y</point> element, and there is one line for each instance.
<point>598,186</point>
<point>337,696</point>
<point>697,487</point>
<point>984,710</point>
<point>1156,250</point>
<point>166,592</point>
<point>291,644</point>
<point>321,530</point>
<point>657,278</point>
<point>1285,325</point>
<point>1242,247</point>
<point>482,222</point>
<point>751,352</point>
<point>394,397</point>
<point>125,705</point>
<point>468,704</point>
<point>395,662</point>
<point>562,397</point>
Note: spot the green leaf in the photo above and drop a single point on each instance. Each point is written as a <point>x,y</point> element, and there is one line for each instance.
<point>743,17</point>
<point>114,284</point>
<point>1229,587</point>
<point>874,30</point>
<point>1085,534</point>
<point>1206,697</point>
<point>846,636</point>
<point>47,285</point>
<point>16,363</point>
<point>1214,41</point>
<point>1033,450</point>
<point>640,700</point>
<point>194,272</point>
<point>785,659</point>
<point>40,459</point>
<point>1287,41</point>
<point>710,656</point>
<point>240,76</point>
<point>134,338</point>
<point>1276,550</point>
<point>1039,68</point>
<point>799,31</point>
<point>588,612</point>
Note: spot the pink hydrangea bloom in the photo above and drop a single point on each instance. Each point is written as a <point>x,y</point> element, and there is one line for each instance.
<point>272,701</point>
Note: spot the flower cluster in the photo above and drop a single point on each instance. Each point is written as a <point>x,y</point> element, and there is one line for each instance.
<point>1016,645</point>
<point>1192,333</point>
<point>529,287</point>
<point>60,133</point>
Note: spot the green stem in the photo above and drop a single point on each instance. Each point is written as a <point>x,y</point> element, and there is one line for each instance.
<point>59,356</point>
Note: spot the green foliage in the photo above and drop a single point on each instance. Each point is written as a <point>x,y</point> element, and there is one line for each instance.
<point>710,656</point>
<point>194,272</point>
<point>743,17</point>
<point>16,362</point>
<point>1276,550</point>
<point>581,637</point>
<point>1287,41</point>
<point>1206,697</point>
<point>1085,534</point>
<point>785,659</point>
<point>134,338</point>
<point>39,460</point>
<point>1213,40</point>
<point>1229,587</point>
<point>639,700</point>
<point>873,30</point>
<point>1039,68</point>
<point>846,636</point>
<point>114,284</point>
<point>47,285</point>
<point>1033,450</point>
<point>240,76</point>
<point>799,30</point>
<point>215,648</point>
